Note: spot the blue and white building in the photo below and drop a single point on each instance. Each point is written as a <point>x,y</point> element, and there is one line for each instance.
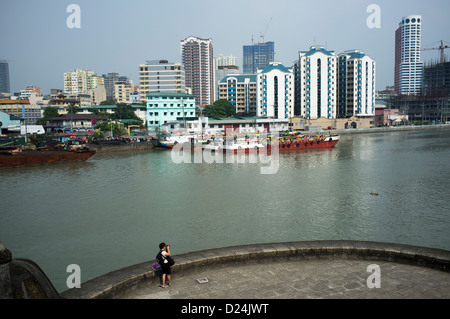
<point>275,91</point>
<point>169,107</point>
<point>316,83</point>
<point>356,84</point>
<point>239,90</point>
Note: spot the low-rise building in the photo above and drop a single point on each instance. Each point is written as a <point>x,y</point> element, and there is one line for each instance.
<point>8,121</point>
<point>22,109</point>
<point>77,121</point>
<point>168,107</point>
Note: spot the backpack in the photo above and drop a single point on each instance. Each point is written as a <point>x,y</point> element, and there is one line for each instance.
<point>160,259</point>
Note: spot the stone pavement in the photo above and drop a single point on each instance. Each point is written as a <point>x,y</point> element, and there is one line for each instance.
<point>292,270</point>
<point>302,279</point>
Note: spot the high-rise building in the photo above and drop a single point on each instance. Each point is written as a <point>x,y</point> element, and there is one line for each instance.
<point>316,83</point>
<point>123,91</point>
<point>408,64</point>
<point>223,65</point>
<point>356,84</point>
<point>161,76</point>
<point>258,56</point>
<point>109,80</point>
<point>4,77</point>
<point>275,91</point>
<point>81,81</point>
<point>436,79</point>
<point>197,58</point>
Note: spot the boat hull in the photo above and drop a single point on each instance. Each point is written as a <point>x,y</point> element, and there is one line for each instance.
<point>43,157</point>
<point>304,145</point>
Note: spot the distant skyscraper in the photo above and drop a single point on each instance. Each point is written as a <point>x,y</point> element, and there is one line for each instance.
<point>110,80</point>
<point>4,77</point>
<point>223,65</point>
<point>408,65</point>
<point>81,81</point>
<point>258,56</point>
<point>197,58</point>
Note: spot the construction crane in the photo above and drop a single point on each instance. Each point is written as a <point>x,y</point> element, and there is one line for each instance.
<point>263,34</point>
<point>441,48</point>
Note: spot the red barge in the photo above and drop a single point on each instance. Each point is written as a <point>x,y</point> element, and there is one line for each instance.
<point>306,143</point>
<point>18,158</point>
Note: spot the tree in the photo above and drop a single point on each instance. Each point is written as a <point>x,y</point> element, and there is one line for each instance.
<point>124,111</point>
<point>220,108</point>
<point>49,112</point>
<point>108,102</point>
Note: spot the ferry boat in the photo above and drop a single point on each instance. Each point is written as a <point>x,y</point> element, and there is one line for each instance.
<point>286,142</point>
<point>243,145</point>
<point>170,140</point>
<point>305,142</point>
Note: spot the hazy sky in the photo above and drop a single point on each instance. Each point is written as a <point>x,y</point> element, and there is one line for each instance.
<point>117,35</point>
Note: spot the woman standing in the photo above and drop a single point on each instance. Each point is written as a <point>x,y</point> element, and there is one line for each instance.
<point>162,260</point>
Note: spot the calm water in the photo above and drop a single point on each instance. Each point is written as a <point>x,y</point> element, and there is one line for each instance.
<point>113,210</point>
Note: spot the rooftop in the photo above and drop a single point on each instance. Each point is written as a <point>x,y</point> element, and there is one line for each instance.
<point>275,66</point>
<point>316,49</point>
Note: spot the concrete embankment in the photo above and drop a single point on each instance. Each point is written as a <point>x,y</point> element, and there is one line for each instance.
<point>390,129</point>
<point>139,280</point>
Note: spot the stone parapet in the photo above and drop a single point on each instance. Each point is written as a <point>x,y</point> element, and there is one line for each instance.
<point>122,281</point>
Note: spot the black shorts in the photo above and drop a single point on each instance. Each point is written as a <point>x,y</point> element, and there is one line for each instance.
<point>165,269</point>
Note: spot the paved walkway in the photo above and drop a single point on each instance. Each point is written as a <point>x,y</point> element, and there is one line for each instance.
<point>303,279</point>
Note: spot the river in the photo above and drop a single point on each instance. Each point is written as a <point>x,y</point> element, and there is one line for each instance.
<point>113,210</point>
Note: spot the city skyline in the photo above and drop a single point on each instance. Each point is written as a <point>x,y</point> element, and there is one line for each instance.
<point>120,36</point>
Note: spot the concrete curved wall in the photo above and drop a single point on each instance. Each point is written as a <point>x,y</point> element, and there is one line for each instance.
<point>119,282</point>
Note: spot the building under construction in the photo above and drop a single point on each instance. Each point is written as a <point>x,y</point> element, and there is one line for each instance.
<point>433,104</point>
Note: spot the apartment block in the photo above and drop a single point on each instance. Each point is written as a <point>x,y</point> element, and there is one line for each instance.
<point>223,66</point>
<point>239,90</point>
<point>123,92</point>
<point>161,76</point>
<point>197,58</point>
<point>316,83</point>
<point>356,84</point>
<point>81,81</point>
<point>275,91</point>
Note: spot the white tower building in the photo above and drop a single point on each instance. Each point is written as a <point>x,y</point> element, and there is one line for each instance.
<point>317,83</point>
<point>408,64</point>
<point>275,91</point>
<point>356,84</point>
